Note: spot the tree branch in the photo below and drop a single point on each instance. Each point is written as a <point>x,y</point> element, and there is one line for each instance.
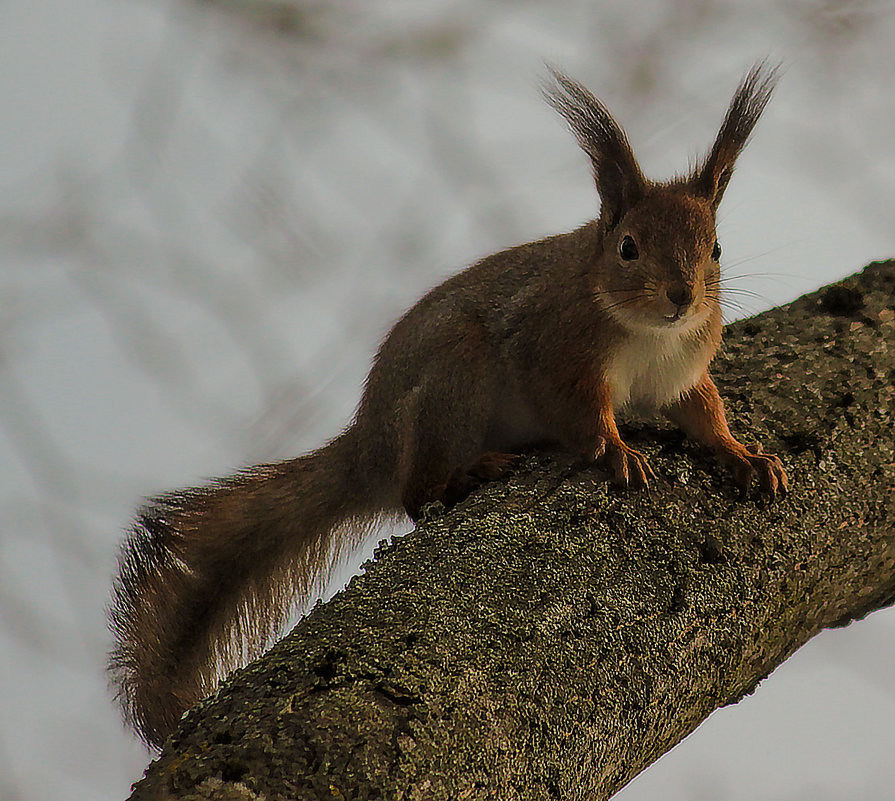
<point>550,637</point>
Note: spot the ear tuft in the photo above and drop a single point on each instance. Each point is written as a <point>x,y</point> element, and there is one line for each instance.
<point>616,172</point>
<point>710,179</point>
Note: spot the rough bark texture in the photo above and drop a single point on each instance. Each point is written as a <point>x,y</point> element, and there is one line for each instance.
<point>551,636</point>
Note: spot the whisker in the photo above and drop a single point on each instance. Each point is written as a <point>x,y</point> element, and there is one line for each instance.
<point>725,276</point>
<point>624,302</point>
<point>599,292</point>
<point>750,293</point>
<point>737,307</point>
<point>727,291</point>
<point>763,254</point>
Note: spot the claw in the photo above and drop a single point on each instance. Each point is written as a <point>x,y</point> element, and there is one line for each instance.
<point>751,461</point>
<point>629,468</point>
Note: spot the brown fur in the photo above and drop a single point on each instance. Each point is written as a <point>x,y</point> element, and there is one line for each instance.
<point>539,343</point>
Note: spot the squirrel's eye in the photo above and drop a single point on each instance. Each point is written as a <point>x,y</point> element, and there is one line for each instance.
<point>716,251</point>
<point>627,249</point>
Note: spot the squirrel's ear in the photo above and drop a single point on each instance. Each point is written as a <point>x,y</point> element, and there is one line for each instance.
<point>711,177</point>
<point>616,172</point>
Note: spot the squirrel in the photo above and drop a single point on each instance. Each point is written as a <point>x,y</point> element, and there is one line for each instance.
<point>543,342</point>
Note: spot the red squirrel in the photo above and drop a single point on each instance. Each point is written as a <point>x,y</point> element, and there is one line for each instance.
<point>543,342</point>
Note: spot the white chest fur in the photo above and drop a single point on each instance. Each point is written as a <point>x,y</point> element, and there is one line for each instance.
<point>651,369</point>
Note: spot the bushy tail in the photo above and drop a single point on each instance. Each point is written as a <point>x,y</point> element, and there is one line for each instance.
<point>207,575</point>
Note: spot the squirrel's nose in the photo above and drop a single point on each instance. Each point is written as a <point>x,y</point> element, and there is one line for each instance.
<point>680,295</point>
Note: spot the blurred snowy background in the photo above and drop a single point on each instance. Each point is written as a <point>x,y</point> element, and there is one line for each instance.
<point>212,212</point>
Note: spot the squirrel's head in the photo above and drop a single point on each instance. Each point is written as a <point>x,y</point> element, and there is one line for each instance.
<point>659,259</point>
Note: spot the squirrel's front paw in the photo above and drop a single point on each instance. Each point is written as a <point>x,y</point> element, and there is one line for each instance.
<point>748,462</point>
<point>629,468</point>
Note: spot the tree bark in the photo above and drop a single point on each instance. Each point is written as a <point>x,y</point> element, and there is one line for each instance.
<point>552,636</point>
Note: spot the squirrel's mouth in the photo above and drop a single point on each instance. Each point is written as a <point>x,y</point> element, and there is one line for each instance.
<point>675,317</point>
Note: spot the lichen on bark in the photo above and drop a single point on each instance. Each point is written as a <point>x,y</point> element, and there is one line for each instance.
<point>551,636</point>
